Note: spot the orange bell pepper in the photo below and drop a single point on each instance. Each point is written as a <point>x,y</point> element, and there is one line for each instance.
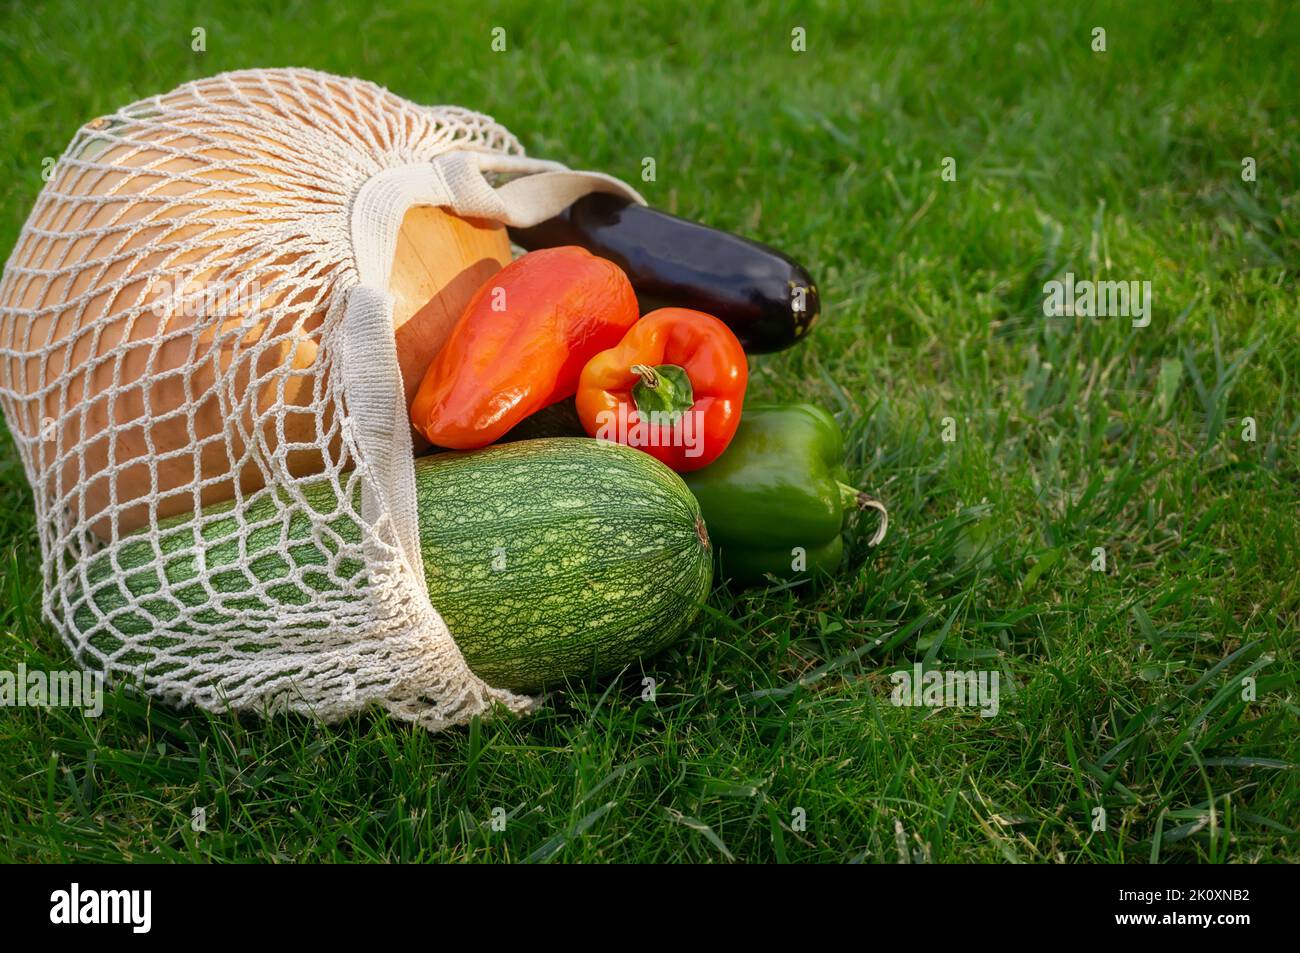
<point>673,387</point>
<point>521,344</point>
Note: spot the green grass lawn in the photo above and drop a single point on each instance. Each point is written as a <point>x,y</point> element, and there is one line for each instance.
<point>773,737</point>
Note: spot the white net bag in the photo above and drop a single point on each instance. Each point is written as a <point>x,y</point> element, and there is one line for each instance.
<point>229,293</point>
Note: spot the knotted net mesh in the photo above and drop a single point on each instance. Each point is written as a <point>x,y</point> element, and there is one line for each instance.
<point>173,370</point>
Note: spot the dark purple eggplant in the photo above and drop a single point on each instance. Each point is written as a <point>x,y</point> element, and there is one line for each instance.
<point>769,301</point>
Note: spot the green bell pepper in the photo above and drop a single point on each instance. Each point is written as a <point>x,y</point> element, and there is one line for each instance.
<point>777,500</point>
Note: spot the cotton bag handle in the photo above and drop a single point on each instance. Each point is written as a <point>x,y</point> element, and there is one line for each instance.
<point>370,374</point>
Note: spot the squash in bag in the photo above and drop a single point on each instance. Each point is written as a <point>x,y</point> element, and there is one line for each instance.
<point>171,365</point>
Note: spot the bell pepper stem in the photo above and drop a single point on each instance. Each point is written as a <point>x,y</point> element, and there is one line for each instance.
<point>853,498</point>
<point>648,375</point>
<point>665,389</point>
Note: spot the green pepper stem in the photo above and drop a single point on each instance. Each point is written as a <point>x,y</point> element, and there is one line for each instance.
<point>853,498</point>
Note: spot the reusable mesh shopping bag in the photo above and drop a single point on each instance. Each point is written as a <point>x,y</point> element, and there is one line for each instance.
<point>198,310</point>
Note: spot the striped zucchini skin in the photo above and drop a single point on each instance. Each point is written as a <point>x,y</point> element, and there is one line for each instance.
<point>561,557</point>
<point>549,559</point>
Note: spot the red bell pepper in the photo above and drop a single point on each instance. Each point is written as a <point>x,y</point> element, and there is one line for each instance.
<point>521,345</point>
<point>673,387</point>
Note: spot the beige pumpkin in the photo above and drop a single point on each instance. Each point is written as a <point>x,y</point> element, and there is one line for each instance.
<point>199,402</point>
<point>441,260</point>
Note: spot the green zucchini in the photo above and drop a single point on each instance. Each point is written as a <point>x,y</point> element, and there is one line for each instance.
<point>548,559</point>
